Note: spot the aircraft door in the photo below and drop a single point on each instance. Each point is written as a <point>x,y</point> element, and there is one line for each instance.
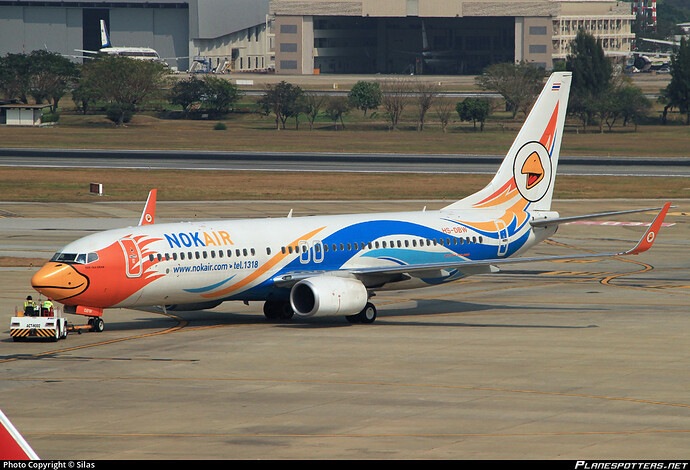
<point>502,237</point>
<point>317,249</point>
<point>304,252</point>
<point>133,263</point>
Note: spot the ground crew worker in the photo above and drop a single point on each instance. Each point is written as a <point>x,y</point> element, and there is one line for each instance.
<point>29,307</point>
<point>47,308</point>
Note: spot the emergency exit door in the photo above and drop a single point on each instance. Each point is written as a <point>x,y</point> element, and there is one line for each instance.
<point>132,253</point>
<point>502,237</point>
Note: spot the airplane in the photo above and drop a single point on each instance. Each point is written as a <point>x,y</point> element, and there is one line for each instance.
<point>13,446</point>
<point>138,53</point>
<point>332,265</point>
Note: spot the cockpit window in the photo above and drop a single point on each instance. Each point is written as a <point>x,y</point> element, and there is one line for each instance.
<point>74,258</point>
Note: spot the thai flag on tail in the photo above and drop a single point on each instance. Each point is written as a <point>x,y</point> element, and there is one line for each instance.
<point>556,87</point>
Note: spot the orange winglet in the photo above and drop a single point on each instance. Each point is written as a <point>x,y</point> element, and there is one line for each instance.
<point>149,215</point>
<point>648,238</point>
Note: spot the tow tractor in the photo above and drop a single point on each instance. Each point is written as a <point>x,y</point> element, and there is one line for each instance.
<point>49,323</point>
<point>38,323</point>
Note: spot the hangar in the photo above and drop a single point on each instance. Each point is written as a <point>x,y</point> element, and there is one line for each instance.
<point>438,36</point>
<point>179,30</point>
<point>303,37</point>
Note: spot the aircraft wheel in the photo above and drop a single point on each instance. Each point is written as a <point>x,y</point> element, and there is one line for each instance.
<point>98,325</point>
<point>286,311</point>
<point>366,316</point>
<point>271,310</point>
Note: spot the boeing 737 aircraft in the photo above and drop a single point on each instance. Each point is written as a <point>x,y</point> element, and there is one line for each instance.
<point>327,265</point>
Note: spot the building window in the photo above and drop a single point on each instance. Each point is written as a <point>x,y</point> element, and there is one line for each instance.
<point>288,29</point>
<point>288,64</point>
<point>288,47</point>
<point>537,49</point>
<point>537,30</point>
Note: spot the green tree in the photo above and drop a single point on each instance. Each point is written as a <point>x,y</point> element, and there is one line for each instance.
<point>519,84</point>
<point>474,110</point>
<point>84,95</point>
<point>125,82</point>
<point>219,95</point>
<point>677,92</point>
<point>336,108</point>
<point>51,76</point>
<point>186,93</point>
<point>313,103</point>
<point>365,95</point>
<point>280,99</point>
<point>15,77</point>
<point>591,79</point>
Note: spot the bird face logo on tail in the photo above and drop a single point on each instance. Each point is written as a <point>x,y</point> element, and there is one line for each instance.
<point>532,171</point>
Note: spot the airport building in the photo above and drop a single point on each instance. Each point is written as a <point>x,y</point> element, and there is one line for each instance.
<point>322,36</point>
<point>179,30</point>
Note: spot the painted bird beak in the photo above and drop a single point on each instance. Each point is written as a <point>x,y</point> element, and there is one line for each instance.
<point>59,281</point>
<point>533,169</point>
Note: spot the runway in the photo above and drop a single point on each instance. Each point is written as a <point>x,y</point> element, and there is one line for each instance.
<point>334,162</point>
<point>580,360</point>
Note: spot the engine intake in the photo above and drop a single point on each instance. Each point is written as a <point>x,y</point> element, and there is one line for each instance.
<point>328,296</point>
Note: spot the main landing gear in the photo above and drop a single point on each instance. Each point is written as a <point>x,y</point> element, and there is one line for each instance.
<point>367,315</point>
<point>278,310</point>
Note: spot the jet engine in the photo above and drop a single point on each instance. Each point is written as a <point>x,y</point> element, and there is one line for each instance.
<point>328,296</point>
<point>192,307</point>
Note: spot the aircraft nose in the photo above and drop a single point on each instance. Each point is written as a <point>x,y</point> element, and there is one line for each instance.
<point>59,281</point>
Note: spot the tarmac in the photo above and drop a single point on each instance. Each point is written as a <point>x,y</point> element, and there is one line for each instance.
<point>585,360</point>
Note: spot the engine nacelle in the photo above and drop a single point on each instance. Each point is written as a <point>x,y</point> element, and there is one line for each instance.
<point>191,307</point>
<point>328,296</point>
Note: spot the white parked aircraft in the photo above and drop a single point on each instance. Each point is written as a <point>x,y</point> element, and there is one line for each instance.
<point>327,265</point>
<point>139,53</point>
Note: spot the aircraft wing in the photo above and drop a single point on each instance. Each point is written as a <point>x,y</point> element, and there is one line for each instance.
<point>472,266</point>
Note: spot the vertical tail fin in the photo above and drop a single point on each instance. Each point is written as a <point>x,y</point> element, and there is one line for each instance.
<point>528,171</point>
<point>105,39</point>
<point>148,216</point>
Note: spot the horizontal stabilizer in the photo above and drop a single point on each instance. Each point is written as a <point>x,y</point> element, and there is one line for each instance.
<point>564,220</point>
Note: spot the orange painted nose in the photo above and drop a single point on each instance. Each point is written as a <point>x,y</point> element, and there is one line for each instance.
<point>59,281</point>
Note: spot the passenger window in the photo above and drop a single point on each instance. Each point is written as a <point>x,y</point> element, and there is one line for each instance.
<point>268,251</point>
<point>160,258</point>
<point>229,252</point>
<point>150,257</point>
<point>244,251</point>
